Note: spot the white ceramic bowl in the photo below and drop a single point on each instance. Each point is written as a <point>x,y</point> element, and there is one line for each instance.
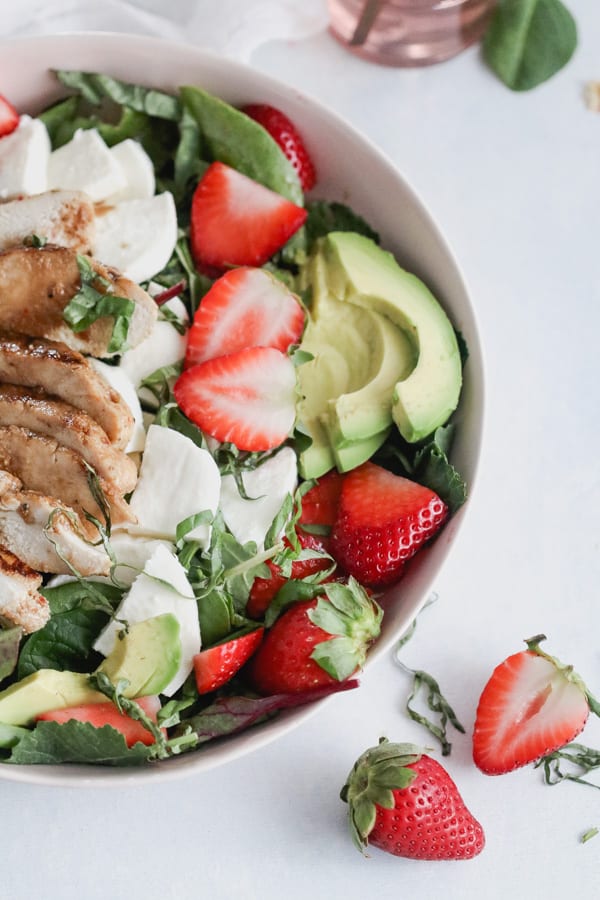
<point>380,194</point>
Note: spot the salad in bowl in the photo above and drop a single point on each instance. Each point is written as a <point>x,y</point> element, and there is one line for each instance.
<point>228,417</point>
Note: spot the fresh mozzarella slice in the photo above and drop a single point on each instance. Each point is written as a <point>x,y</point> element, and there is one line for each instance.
<point>270,483</point>
<point>137,237</point>
<point>118,379</point>
<point>24,158</point>
<point>161,588</point>
<point>163,347</point>
<point>137,169</point>
<point>86,164</point>
<point>132,552</point>
<point>177,480</point>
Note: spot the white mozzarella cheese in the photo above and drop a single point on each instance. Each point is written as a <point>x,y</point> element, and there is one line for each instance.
<point>118,379</point>
<point>161,588</point>
<point>85,164</point>
<point>24,158</point>
<point>137,237</point>
<point>270,483</point>
<point>137,169</point>
<point>164,346</point>
<point>132,552</point>
<point>177,480</point>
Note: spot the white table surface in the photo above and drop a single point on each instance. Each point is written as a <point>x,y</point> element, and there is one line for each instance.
<point>514,183</point>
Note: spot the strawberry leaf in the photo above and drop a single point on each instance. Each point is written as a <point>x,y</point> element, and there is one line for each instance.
<point>339,657</point>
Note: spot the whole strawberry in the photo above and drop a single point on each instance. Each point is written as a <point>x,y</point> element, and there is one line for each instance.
<point>531,706</point>
<point>405,803</point>
<point>382,520</point>
<point>286,135</point>
<point>317,642</point>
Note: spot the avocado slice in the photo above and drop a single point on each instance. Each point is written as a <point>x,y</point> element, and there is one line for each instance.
<point>43,691</point>
<point>147,656</point>
<point>353,453</point>
<point>347,388</point>
<point>361,274</point>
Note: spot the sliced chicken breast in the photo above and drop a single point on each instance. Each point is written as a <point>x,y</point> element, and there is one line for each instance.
<point>34,527</point>
<point>20,603</point>
<point>43,465</point>
<point>35,410</point>
<point>65,218</point>
<point>66,374</point>
<point>36,284</point>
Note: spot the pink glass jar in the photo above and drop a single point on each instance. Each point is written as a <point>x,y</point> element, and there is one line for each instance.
<point>408,32</point>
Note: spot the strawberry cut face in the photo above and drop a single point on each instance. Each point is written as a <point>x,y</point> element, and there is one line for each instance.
<point>528,708</point>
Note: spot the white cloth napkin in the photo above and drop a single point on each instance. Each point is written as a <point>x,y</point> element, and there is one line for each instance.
<point>232,27</point>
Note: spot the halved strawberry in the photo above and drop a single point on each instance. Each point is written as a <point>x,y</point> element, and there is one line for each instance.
<point>264,589</point>
<point>9,117</point>
<point>286,135</point>
<point>531,706</point>
<point>216,666</point>
<point>246,307</point>
<point>236,221</point>
<point>382,521</point>
<point>247,398</point>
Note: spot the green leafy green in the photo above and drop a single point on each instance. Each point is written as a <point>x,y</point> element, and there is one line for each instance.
<point>51,743</point>
<point>238,141</point>
<point>325,216</point>
<point>576,759</point>
<point>95,87</point>
<point>434,699</point>
<point>10,639</point>
<point>79,612</point>
<point>528,41</point>
<point>90,304</point>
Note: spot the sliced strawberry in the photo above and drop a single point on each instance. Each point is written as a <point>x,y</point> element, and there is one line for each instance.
<point>236,221</point>
<point>286,135</point>
<point>246,307</point>
<point>247,398</point>
<point>264,589</point>
<point>100,714</point>
<point>382,521</point>
<point>9,117</point>
<point>216,666</point>
<point>531,706</point>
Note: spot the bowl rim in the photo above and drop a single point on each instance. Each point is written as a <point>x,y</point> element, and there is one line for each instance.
<point>227,750</point>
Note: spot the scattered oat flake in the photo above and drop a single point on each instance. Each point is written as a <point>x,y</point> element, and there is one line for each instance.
<point>592,95</point>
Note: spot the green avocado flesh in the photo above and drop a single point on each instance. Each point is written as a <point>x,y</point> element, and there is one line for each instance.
<point>347,388</point>
<point>43,691</point>
<point>359,273</point>
<point>148,656</point>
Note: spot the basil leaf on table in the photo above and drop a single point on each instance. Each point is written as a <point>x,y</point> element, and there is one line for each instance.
<point>528,41</point>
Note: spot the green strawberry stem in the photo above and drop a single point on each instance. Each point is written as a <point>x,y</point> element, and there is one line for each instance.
<point>353,618</point>
<point>372,780</point>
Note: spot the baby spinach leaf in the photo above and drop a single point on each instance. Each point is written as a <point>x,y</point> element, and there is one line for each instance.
<point>65,642</point>
<point>95,88</point>
<point>528,41</point>
<point>51,743</point>
<point>324,217</point>
<point>95,595</point>
<point>10,638</point>
<point>238,141</point>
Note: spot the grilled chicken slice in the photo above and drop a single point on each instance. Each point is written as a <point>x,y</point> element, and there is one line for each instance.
<point>66,374</point>
<point>35,410</point>
<point>20,603</point>
<point>42,464</point>
<point>33,526</point>
<point>36,284</point>
<point>65,218</point>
